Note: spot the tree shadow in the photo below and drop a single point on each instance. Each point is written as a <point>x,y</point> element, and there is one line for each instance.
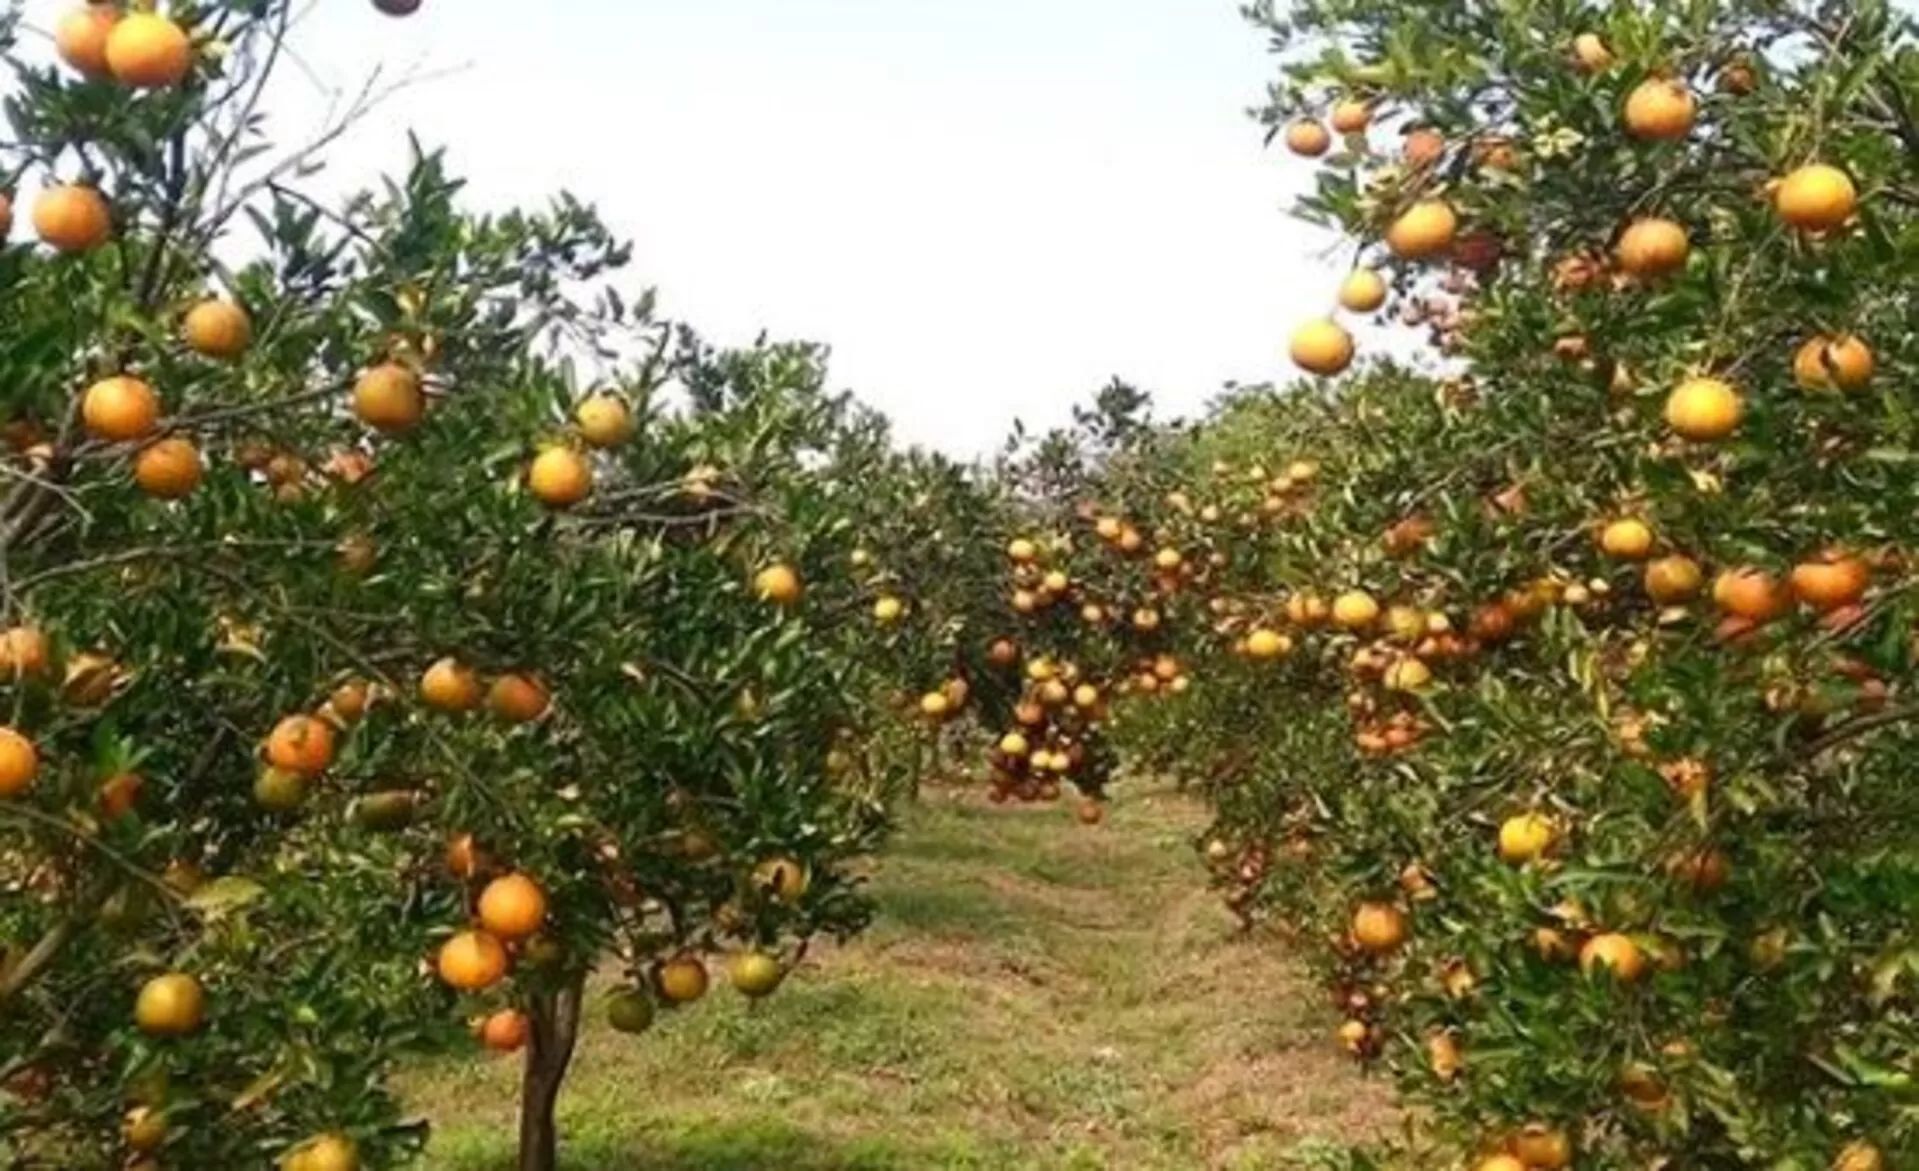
<point>730,1145</point>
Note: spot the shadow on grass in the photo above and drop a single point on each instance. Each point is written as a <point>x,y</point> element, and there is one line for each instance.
<point>733,1145</point>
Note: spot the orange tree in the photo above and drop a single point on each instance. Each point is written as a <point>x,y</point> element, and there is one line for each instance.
<point>355,659</point>
<point>1563,702</point>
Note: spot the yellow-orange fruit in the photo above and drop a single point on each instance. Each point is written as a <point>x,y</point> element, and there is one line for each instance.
<point>1424,230</point>
<point>168,469</point>
<point>1660,109</point>
<point>1704,409</point>
<point>1833,362</point>
<point>512,907</point>
<point>1817,197</point>
<point>1674,579</point>
<point>472,961</point>
<point>120,408</point>
<point>1653,247</point>
<point>81,38</point>
<point>1362,291</point>
<point>218,329</point>
<point>148,51</point>
<point>72,217</point>
<point>559,477</point>
<point>1308,139</point>
<point>1322,347</point>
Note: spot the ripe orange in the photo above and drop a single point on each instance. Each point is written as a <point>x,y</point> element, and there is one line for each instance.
<point>517,699</point>
<point>72,218</point>
<point>349,700</point>
<point>1704,409</point>
<point>144,1129</point>
<point>1306,609</point>
<point>1660,109</point>
<point>1816,198</point>
<point>1860,1156</point>
<point>1499,1163</point>
<point>1830,583</point>
<point>1543,1148</point>
<point>172,1005</point>
<point>1614,952</point>
<point>1833,362</point>
<point>148,51</point>
<point>1409,674</point>
<point>1422,148</point>
<point>1674,579</point>
<point>1351,116</point>
<point>218,329</point>
<point>1591,54</point>
<point>1362,291</point>
<point>329,1152</point>
<point>1751,594</point>
<point>388,399</point>
<point>81,38</point>
<point>24,652</point>
<point>1424,230</point>
<point>19,763</point>
<point>1526,838</point>
<point>778,584</point>
<point>682,980</point>
<point>1627,539</point>
<point>169,468</point>
<point>1653,247</point>
<point>560,477</point>
<point>1705,870</point>
<point>117,795</point>
<point>1379,927</point>
<point>1022,551</point>
<point>755,974</point>
<point>120,408</point>
<point>301,745</point>
<point>505,1031</point>
<point>604,421</point>
<point>1355,610</point>
<point>1266,644</point>
<point>512,907</point>
<point>472,961</point>
<point>450,686</point>
<point>1308,139</point>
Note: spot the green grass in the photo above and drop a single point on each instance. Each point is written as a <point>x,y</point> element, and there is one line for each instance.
<point>1035,996</point>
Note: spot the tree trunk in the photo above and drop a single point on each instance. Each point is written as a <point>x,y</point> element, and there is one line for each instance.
<point>554,1016</point>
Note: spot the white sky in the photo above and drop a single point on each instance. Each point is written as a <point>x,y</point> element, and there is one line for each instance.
<point>986,207</point>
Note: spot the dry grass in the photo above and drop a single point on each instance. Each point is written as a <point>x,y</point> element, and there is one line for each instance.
<point>1035,997</point>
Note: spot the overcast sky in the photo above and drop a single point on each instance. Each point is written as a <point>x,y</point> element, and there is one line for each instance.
<point>986,208</point>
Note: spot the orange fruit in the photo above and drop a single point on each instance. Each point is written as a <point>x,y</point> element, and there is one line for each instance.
<point>1751,594</point>
<point>1379,927</point>
<point>169,468</point>
<point>301,745</point>
<point>1591,54</point>
<point>755,974</point>
<point>1830,583</point>
<point>1422,148</point>
<point>72,218</point>
<point>24,652</point>
<point>329,1152</point>
<point>1614,952</point>
<point>785,879</point>
<point>1499,1163</point>
<point>120,408</point>
<point>1653,247</point>
<point>1674,579</point>
<point>1022,551</point>
<point>682,980</point>
<point>19,763</point>
<point>512,907</point>
<point>1816,198</point>
<point>1660,109</point>
<point>450,686</point>
<point>1355,610</point>
<point>1860,1156</point>
<point>349,700</point>
<point>1704,869</point>
<point>1526,838</point>
<point>1704,409</point>
<point>1833,362</point>
<point>144,1129</point>
<point>117,795</point>
<point>217,329</point>
<point>604,421</point>
<point>1627,539</point>
<point>148,51</point>
<point>505,1031</point>
<point>1266,644</point>
<point>472,961</point>
<point>559,477</point>
<point>1543,1148</point>
<point>388,398</point>
<point>1362,291</point>
<point>1308,139</point>
<point>778,584</point>
<point>1322,347</point>
<point>1424,230</point>
<point>172,1005</point>
<point>517,699</point>
<point>462,856</point>
<point>81,38</point>
<point>1351,116</point>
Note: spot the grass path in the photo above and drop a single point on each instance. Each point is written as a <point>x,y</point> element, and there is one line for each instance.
<point>1036,996</point>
